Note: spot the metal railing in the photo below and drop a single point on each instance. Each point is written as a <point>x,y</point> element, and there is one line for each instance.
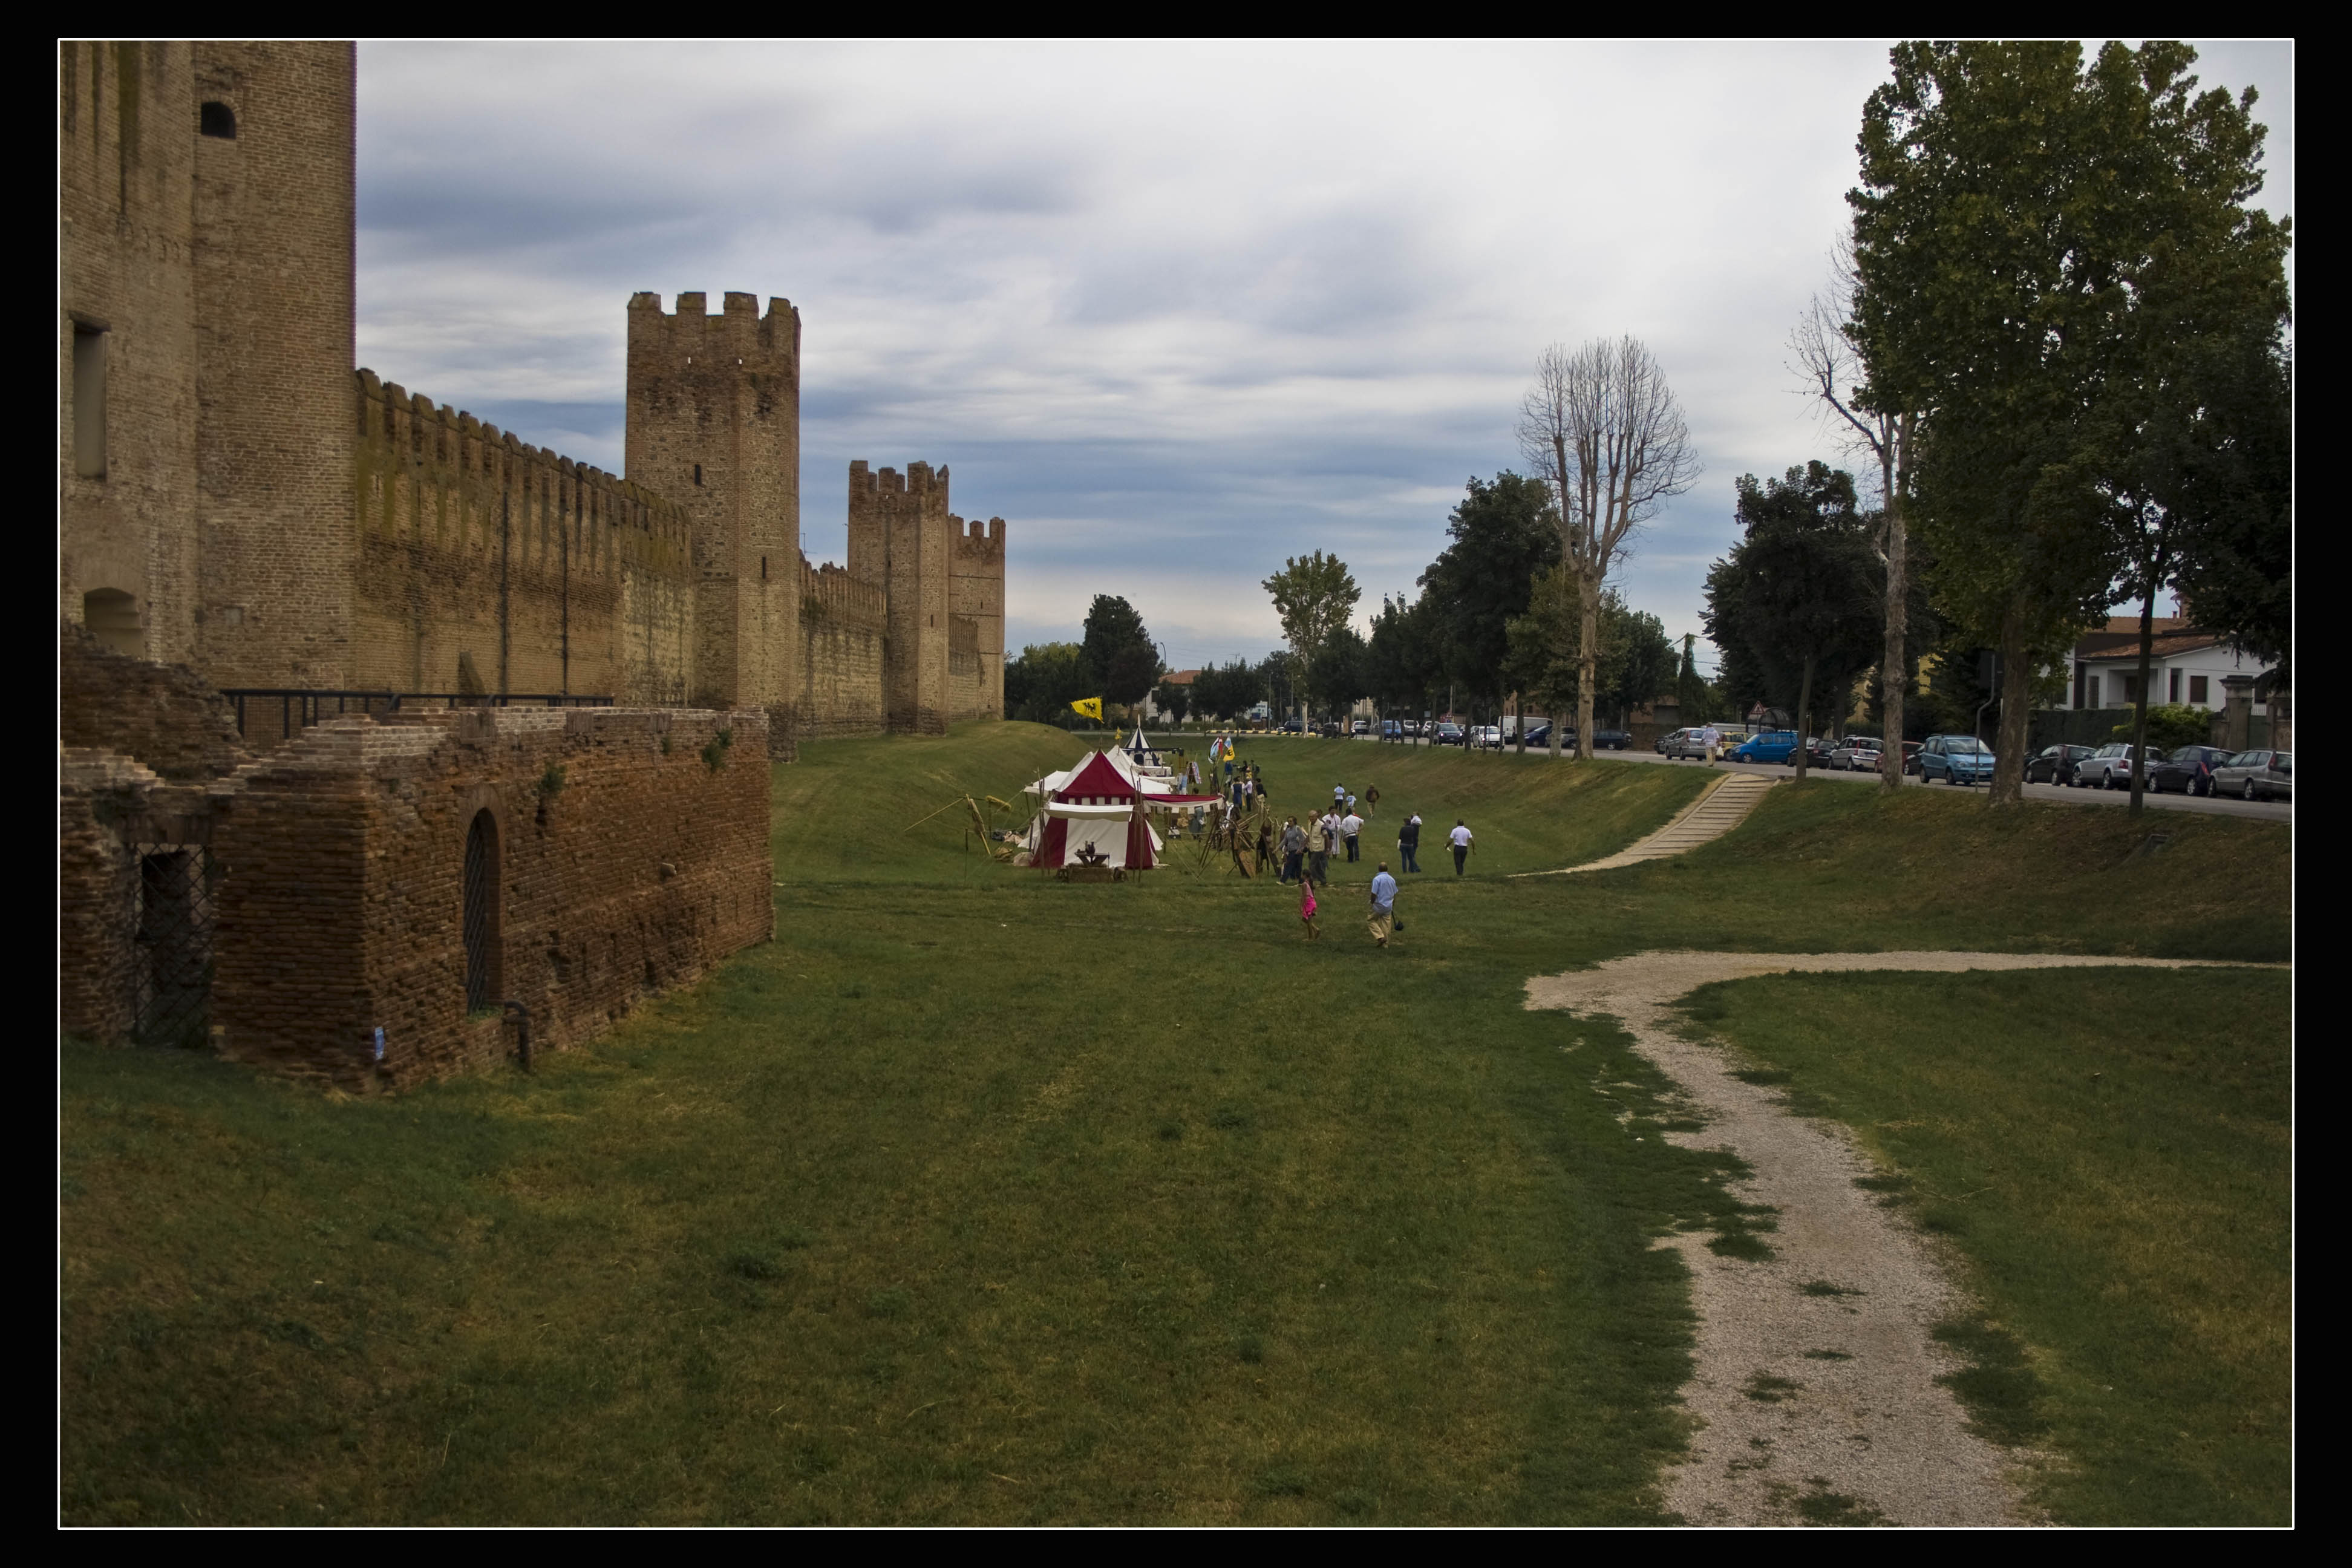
<point>298,710</point>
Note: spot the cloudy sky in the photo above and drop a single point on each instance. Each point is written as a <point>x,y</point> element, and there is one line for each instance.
<point>1175,311</point>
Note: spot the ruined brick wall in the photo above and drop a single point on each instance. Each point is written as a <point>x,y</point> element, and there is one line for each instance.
<point>97,892</point>
<point>126,156</point>
<point>166,716</point>
<point>273,219</point>
<point>343,863</point>
<point>898,530</point>
<point>714,424</point>
<point>842,622</point>
<point>552,575</point>
<point>976,604</point>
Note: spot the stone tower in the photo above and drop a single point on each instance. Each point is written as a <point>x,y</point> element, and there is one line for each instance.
<point>714,423</point>
<point>899,541</point>
<point>274,216</point>
<point>206,347</point>
<point>976,612</point>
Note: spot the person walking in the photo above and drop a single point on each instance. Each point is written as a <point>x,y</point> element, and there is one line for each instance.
<point>1351,827</point>
<point>1306,910</point>
<point>1409,843</point>
<point>1383,919</point>
<point>1372,800</point>
<point>1712,737</point>
<point>1318,852</point>
<point>1294,846</point>
<point>1460,840</point>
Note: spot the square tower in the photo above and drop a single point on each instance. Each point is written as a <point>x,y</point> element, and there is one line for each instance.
<point>714,421</point>
<point>899,541</point>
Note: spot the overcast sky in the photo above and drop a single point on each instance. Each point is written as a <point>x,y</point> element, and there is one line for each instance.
<point>1175,311</point>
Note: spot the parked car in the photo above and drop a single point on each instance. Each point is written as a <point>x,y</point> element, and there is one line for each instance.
<point>1539,735</point>
<point>1361,727</point>
<point>1487,737</point>
<point>1817,750</point>
<point>2054,765</point>
<point>2257,776</point>
<point>1447,734</point>
<point>1856,753</point>
<point>1911,750</point>
<point>1683,744</point>
<point>2110,767</point>
<point>1955,759</point>
<point>1611,739</point>
<point>1771,746</point>
<point>2189,770</point>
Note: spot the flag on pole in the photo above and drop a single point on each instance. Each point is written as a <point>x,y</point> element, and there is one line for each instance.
<point>1088,708</point>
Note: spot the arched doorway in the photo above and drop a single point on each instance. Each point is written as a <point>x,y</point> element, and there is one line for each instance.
<point>482,902</point>
<point>112,616</point>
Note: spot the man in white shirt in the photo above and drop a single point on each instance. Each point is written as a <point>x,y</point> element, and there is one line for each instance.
<point>1460,840</point>
<point>1712,737</point>
<point>1351,825</point>
<point>1383,906</point>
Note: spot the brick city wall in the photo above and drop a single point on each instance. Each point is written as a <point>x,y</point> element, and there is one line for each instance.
<point>166,716</point>
<point>553,576</point>
<point>343,863</point>
<point>842,622</point>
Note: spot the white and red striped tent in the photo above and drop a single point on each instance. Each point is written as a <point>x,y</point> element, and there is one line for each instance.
<point>1100,813</point>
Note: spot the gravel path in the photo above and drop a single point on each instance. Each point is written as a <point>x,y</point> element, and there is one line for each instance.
<point>1784,1421</point>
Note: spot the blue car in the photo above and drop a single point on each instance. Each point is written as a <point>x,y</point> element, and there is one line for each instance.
<point>1955,759</point>
<point>1771,746</point>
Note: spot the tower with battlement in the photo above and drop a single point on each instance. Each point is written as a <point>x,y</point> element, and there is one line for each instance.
<point>714,424</point>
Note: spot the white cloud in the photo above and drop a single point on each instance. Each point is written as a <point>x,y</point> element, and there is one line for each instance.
<point>1175,310</point>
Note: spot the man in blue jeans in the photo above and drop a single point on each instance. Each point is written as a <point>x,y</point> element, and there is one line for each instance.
<point>1460,840</point>
<point>1294,848</point>
<point>1408,842</point>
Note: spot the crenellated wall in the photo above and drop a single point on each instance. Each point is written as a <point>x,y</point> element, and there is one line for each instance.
<point>843,623</point>
<point>551,575</point>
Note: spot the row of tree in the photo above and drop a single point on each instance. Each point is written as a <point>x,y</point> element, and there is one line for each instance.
<point>2061,334</point>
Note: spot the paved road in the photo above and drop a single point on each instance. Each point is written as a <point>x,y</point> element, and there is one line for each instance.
<point>2269,810</point>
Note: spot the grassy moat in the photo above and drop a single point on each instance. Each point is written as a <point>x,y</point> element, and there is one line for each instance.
<point>980,1198</point>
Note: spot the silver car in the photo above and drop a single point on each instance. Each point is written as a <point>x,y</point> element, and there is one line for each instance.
<point>1683,744</point>
<point>2256,776</point>
<point>2110,767</point>
<point>1856,753</point>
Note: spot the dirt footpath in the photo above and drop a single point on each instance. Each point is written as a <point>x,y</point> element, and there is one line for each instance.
<point>1815,1377</point>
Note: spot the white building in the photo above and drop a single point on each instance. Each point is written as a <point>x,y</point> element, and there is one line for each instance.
<point>2186,665</point>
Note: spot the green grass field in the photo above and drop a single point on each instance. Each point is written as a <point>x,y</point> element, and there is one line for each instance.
<point>976,1197</point>
<point>2110,1151</point>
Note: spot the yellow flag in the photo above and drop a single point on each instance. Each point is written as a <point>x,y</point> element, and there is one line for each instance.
<point>1089,707</point>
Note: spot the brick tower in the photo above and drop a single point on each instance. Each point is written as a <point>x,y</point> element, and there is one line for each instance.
<point>714,421</point>
<point>899,541</point>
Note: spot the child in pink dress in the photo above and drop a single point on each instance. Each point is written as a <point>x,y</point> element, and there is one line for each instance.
<point>1306,908</point>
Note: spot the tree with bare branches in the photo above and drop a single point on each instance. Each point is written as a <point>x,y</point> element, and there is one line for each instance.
<point>1603,430</point>
<point>1831,370</point>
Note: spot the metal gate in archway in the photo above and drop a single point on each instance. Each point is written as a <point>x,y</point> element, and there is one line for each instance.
<point>172,947</point>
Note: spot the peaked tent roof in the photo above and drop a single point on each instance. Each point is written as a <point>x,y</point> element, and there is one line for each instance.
<point>1098,776</point>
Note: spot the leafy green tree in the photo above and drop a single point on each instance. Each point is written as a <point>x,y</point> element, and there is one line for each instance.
<point>1340,672</point>
<point>1314,595</point>
<point>1228,691</point>
<point>1045,679</point>
<point>1801,593</point>
<point>2018,229</point>
<point>1504,533</point>
<point>1173,700</point>
<point>1119,650</point>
